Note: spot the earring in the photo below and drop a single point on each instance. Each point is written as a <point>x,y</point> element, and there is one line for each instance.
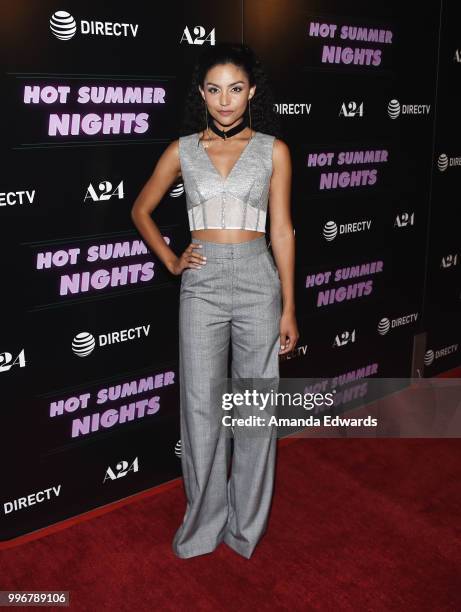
<point>206,144</point>
<point>249,113</point>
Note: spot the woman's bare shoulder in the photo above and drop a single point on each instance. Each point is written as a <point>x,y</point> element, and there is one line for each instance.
<point>172,150</point>
<point>281,153</point>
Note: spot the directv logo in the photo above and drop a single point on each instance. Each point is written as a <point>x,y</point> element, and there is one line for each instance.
<point>84,343</point>
<point>177,190</point>
<point>443,162</point>
<point>64,27</point>
<point>330,230</point>
<point>395,109</point>
<point>428,357</point>
<point>384,326</point>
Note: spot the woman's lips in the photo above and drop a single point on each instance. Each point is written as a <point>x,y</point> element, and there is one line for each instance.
<point>225,112</point>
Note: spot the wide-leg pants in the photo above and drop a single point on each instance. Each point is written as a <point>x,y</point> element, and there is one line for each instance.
<point>234,299</point>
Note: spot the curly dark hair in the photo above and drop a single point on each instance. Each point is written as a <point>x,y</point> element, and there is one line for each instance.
<point>263,115</point>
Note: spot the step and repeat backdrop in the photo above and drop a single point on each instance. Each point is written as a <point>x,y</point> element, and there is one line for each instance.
<point>93,93</point>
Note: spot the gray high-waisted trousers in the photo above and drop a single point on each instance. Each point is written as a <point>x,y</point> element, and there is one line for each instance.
<point>234,298</point>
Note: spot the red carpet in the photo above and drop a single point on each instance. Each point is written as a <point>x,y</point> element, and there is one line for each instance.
<point>356,524</point>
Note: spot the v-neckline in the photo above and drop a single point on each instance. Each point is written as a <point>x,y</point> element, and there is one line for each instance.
<point>210,161</point>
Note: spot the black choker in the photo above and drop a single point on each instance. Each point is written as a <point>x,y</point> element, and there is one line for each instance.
<point>228,133</point>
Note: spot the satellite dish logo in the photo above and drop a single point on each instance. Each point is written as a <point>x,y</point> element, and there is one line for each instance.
<point>83,344</point>
<point>384,326</point>
<point>63,25</point>
<point>393,109</point>
<point>177,449</point>
<point>177,190</point>
<point>428,357</point>
<point>442,162</point>
<point>330,230</point>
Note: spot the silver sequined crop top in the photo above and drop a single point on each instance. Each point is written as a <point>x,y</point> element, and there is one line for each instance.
<point>237,202</point>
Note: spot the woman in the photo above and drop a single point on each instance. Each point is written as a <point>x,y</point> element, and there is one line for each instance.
<point>232,167</point>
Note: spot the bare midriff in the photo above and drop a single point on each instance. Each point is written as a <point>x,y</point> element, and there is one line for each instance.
<point>226,235</point>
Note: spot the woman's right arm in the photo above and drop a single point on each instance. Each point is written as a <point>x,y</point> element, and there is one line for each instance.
<point>166,171</point>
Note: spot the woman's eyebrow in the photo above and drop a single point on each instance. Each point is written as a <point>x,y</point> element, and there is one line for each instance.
<point>210,83</point>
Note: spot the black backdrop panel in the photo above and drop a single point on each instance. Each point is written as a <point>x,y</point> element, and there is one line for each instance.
<point>90,332</point>
<point>93,95</point>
